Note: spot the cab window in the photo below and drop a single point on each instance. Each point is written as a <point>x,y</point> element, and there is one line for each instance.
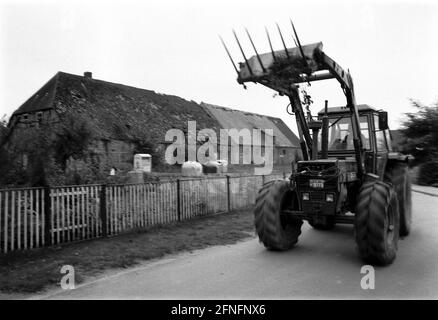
<point>388,140</point>
<point>364,131</point>
<point>380,136</point>
<point>341,133</point>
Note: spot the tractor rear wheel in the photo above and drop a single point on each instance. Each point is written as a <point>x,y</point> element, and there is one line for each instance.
<point>400,178</point>
<point>274,230</point>
<point>377,222</point>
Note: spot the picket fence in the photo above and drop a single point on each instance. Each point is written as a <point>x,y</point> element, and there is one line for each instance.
<point>35,217</point>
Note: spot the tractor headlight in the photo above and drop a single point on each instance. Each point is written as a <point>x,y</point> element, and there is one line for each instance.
<point>306,196</point>
<point>329,197</point>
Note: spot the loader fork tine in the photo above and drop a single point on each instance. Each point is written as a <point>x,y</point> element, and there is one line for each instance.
<point>295,41</point>
<point>255,50</point>
<point>229,55</point>
<point>299,43</point>
<point>282,40</point>
<point>243,53</point>
<point>270,45</point>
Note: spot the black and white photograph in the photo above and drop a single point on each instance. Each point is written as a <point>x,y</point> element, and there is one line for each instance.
<point>218,155</point>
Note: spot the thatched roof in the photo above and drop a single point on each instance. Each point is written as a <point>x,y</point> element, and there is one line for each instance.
<point>116,111</point>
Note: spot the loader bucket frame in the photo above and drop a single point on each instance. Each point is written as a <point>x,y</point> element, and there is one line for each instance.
<point>283,70</point>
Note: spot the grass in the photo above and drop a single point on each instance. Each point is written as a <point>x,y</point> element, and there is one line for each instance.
<point>35,270</point>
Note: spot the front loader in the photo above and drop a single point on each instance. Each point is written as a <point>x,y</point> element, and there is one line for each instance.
<point>349,174</point>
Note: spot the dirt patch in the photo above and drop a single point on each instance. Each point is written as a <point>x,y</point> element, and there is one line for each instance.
<point>33,271</point>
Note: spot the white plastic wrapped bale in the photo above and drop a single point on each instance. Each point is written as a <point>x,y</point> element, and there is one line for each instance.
<point>211,167</point>
<point>143,162</point>
<point>223,165</point>
<point>191,169</point>
<point>215,166</point>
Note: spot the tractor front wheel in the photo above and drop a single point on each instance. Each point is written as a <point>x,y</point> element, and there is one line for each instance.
<point>377,222</point>
<point>274,231</point>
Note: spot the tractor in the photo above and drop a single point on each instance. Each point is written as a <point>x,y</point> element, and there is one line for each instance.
<point>349,173</point>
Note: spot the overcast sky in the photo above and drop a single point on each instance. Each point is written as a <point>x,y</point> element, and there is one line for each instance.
<point>173,47</point>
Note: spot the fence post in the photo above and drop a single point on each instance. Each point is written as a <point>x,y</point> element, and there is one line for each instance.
<point>103,210</point>
<point>284,175</point>
<point>228,194</point>
<point>263,179</point>
<point>178,198</point>
<point>47,216</point>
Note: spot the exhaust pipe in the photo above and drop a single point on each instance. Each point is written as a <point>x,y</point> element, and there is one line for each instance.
<point>324,133</point>
<point>315,126</point>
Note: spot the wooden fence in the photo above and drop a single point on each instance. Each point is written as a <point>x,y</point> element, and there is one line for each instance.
<point>35,217</point>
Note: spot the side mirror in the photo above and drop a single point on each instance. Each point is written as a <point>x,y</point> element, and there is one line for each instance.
<point>383,120</point>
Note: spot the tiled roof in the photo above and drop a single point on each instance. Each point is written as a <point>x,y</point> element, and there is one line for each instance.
<point>236,119</point>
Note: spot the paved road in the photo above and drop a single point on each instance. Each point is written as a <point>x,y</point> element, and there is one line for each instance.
<point>323,265</point>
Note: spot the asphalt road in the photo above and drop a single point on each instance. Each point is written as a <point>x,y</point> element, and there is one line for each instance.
<point>324,264</point>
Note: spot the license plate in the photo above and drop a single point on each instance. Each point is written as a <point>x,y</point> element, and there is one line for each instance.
<point>319,184</point>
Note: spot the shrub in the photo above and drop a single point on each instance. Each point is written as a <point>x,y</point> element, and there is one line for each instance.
<point>428,173</point>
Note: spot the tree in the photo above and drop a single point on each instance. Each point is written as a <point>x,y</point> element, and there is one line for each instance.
<point>72,138</point>
<point>11,172</point>
<point>421,132</point>
<point>3,128</point>
<point>38,155</point>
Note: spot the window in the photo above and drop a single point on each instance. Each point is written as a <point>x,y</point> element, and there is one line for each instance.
<point>341,133</point>
<point>380,136</point>
<point>282,153</point>
<point>365,132</point>
<point>39,116</point>
<point>24,161</point>
<point>388,139</point>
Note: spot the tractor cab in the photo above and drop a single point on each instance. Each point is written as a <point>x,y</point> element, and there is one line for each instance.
<point>340,135</point>
<point>374,131</point>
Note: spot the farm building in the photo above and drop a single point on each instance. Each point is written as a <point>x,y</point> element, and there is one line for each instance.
<point>285,142</point>
<point>101,124</point>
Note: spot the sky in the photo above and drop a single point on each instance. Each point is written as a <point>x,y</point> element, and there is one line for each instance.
<point>172,47</point>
